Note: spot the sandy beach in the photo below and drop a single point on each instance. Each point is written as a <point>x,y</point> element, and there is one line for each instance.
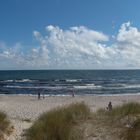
<point>21,108</point>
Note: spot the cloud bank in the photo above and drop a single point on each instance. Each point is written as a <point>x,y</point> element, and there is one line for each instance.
<point>77,48</point>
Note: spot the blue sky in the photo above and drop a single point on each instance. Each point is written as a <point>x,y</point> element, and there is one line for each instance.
<point>22,33</point>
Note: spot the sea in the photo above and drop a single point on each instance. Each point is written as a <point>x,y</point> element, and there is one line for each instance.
<point>67,82</point>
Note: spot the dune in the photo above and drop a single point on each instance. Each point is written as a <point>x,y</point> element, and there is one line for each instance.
<point>22,110</point>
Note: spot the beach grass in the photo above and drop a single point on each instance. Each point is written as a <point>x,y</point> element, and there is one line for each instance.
<point>4,125</point>
<point>125,118</point>
<point>66,123</point>
<point>59,123</point>
<point>133,133</point>
<point>130,108</point>
<point>125,110</point>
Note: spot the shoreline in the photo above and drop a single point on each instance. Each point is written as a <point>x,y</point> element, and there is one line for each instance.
<point>28,106</point>
<point>69,95</point>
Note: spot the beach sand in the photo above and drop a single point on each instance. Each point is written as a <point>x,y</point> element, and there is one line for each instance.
<point>23,110</point>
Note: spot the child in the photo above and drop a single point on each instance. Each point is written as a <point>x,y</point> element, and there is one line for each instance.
<point>109,106</point>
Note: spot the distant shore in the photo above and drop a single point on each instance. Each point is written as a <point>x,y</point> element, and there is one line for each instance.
<point>25,107</point>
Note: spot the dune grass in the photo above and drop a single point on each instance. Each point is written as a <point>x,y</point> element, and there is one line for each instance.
<point>125,110</point>
<point>4,125</point>
<point>133,133</point>
<point>57,124</point>
<point>126,116</point>
<point>64,123</point>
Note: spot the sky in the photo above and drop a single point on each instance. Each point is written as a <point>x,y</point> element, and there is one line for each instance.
<point>69,34</point>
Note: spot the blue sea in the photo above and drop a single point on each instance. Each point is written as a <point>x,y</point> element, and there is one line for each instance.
<point>64,82</point>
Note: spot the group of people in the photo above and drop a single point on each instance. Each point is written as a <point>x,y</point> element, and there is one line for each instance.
<point>109,107</point>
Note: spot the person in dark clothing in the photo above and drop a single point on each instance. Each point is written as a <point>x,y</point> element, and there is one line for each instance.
<point>73,94</point>
<point>43,95</point>
<point>109,106</point>
<point>38,95</point>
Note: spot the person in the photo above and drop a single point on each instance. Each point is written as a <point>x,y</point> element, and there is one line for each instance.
<point>73,95</point>
<point>43,95</point>
<point>109,106</point>
<point>38,95</point>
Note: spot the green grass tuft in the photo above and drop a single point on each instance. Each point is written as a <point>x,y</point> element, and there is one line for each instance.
<point>125,117</point>
<point>126,109</point>
<point>4,125</point>
<point>57,124</point>
<point>133,133</point>
<point>119,112</point>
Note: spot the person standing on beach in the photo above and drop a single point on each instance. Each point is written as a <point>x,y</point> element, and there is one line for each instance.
<point>38,95</point>
<point>73,95</point>
<point>43,95</point>
<point>109,106</point>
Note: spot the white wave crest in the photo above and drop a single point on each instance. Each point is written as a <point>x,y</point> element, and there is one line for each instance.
<point>87,86</point>
<point>72,80</point>
<point>36,87</point>
<point>24,80</point>
<point>8,80</point>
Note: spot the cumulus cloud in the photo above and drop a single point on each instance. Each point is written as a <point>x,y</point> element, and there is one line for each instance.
<point>129,34</point>
<point>75,47</point>
<point>128,45</point>
<point>78,48</point>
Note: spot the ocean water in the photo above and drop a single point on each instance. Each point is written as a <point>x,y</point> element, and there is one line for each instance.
<point>65,82</point>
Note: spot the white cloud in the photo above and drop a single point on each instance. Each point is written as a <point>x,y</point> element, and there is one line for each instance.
<point>129,34</point>
<point>78,48</point>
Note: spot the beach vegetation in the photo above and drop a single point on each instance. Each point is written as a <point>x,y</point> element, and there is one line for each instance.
<point>4,125</point>
<point>133,132</point>
<point>124,118</point>
<point>125,110</point>
<point>76,122</point>
<point>60,123</point>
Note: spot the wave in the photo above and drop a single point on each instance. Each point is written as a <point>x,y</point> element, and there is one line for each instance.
<point>87,86</point>
<point>68,80</point>
<point>8,81</point>
<point>121,86</point>
<point>73,80</point>
<point>8,86</point>
<point>18,81</point>
<point>36,87</point>
<point>132,86</point>
<point>56,87</point>
<point>24,80</point>
<point>112,86</point>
